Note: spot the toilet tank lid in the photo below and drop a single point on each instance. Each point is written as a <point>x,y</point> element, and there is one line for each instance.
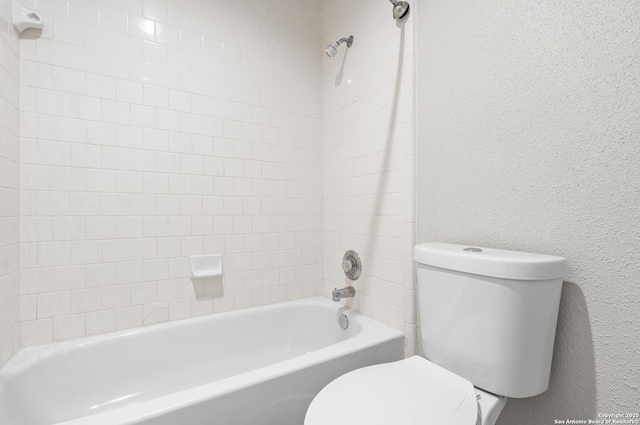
<point>490,262</point>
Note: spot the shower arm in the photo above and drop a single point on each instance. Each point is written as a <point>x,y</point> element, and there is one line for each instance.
<point>349,41</point>
<point>400,8</point>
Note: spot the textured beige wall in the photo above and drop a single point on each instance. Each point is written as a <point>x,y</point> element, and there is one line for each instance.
<point>528,135</point>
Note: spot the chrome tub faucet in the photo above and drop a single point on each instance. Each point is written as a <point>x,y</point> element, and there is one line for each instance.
<point>338,294</point>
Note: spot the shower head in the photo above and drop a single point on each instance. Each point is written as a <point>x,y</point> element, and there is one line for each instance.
<point>332,49</point>
<point>400,8</point>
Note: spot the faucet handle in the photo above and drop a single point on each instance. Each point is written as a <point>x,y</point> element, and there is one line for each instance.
<point>351,264</point>
<point>347,265</point>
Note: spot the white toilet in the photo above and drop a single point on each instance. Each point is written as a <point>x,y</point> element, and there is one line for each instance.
<point>487,326</point>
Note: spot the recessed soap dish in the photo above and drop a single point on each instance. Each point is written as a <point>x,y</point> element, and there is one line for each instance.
<point>205,265</point>
<point>25,18</point>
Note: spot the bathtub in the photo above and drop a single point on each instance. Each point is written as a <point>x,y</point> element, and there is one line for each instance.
<point>259,366</point>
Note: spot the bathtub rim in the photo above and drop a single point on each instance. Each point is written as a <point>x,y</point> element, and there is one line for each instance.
<point>369,334</point>
<point>27,356</point>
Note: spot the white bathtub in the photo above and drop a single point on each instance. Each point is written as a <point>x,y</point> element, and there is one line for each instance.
<point>259,366</point>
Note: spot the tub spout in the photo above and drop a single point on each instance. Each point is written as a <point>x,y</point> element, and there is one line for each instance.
<point>338,294</point>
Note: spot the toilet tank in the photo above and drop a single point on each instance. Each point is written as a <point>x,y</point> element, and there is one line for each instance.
<point>489,315</point>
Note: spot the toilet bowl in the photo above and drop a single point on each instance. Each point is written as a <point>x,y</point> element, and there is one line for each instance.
<point>409,391</point>
<point>487,328</point>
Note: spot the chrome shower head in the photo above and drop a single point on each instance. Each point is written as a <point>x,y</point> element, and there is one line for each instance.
<point>400,8</point>
<point>332,49</point>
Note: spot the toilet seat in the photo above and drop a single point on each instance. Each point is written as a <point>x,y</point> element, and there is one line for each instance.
<point>409,391</point>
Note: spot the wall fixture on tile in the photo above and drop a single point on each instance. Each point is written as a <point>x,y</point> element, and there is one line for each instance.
<point>24,19</point>
<point>205,265</point>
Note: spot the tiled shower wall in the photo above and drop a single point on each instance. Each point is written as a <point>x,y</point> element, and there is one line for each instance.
<point>155,130</point>
<point>9,185</point>
<point>369,159</point>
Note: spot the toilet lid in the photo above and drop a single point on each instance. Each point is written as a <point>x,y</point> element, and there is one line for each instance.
<point>408,392</point>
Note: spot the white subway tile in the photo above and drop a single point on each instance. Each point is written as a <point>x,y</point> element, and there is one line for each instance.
<point>131,6</point>
<point>129,182</point>
<point>83,59</point>
<point>142,160</point>
<point>112,18</point>
<point>168,162</point>
<point>156,140</point>
<point>101,180</point>
<point>83,155</point>
<point>116,250</point>
<point>142,293</point>
<point>116,296</point>
<point>101,133</point>
<point>69,228</point>
<point>99,39</point>
<point>129,227</point>
<point>129,91</point>
<point>179,309</point>
<point>129,272</point>
<point>143,116</point>
<point>128,317</point>
<point>101,86</point>
<point>102,274</point>
<point>143,249</point>
<point>167,34</point>
<point>154,53</point>
<point>68,277</point>
<point>156,313</point>
<point>68,327</point>
<point>35,281</point>
<point>178,226</point>
<point>169,247</point>
<point>53,153</point>
<point>156,96</point>
<point>192,245</point>
<point>36,332</point>
<point>69,179</point>
<point>34,229</point>
<point>168,290</point>
<point>158,132</point>
<point>115,204</point>
<point>86,252</point>
<point>179,16</point>
<point>53,304</point>
<point>85,300</point>
<point>67,80</point>
<point>156,183</point>
<point>141,204</point>
<point>67,31</point>
<point>154,226</point>
<point>53,253</point>
<point>141,27</point>
<point>168,120</point>
<point>166,77</point>
<point>142,72</point>
<point>179,142</point>
<point>100,322</point>
<point>115,112</point>
<point>167,204</point>
<point>180,183</point>
<point>84,204</point>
